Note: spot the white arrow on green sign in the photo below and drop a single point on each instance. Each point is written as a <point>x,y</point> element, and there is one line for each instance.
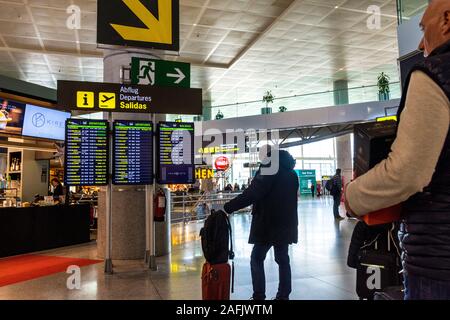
<point>162,73</point>
<point>180,76</point>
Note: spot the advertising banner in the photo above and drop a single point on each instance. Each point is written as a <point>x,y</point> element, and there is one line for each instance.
<point>11,116</point>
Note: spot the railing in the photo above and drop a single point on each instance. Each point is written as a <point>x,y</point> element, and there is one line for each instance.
<point>304,101</point>
<point>194,207</point>
<point>407,9</point>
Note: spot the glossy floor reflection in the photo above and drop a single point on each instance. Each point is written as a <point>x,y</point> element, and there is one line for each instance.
<point>318,265</point>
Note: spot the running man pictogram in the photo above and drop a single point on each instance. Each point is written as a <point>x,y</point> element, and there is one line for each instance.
<point>147,72</point>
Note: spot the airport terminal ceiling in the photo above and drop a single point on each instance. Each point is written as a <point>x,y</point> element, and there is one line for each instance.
<point>238,49</point>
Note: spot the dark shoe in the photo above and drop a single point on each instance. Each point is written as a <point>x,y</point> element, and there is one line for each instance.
<point>282,299</point>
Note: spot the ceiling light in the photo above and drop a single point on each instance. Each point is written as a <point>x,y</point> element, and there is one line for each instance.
<point>336,7</point>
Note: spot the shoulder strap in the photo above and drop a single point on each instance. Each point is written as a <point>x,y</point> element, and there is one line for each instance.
<point>231,252</point>
<point>391,240</point>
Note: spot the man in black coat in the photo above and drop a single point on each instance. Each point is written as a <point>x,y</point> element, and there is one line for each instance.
<point>274,222</point>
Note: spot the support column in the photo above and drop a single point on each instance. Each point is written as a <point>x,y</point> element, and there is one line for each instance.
<point>163,235</point>
<point>128,202</point>
<point>207,111</point>
<point>344,156</point>
<point>340,88</point>
<point>162,229</point>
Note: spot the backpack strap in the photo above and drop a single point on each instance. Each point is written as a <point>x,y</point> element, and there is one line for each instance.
<point>231,252</point>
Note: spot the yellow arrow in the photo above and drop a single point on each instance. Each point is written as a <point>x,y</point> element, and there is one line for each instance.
<point>157,31</point>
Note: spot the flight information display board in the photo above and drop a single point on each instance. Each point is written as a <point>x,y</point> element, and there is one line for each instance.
<point>133,153</point>
<point>175,153</point>
<point>86,161</point>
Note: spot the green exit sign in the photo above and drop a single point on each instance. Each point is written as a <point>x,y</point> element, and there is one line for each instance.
<point>307,173</point>
<point>160,73</point>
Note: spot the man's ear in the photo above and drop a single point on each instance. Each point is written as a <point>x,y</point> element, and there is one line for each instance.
<point>446,25</point>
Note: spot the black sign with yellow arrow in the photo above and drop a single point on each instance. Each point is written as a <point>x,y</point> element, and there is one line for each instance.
<point>139,23</point>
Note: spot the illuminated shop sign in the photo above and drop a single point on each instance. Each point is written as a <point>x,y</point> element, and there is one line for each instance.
<point>204,173</point>
<point>219,149</point>
<point>44,123</point>
<point>222,163</point>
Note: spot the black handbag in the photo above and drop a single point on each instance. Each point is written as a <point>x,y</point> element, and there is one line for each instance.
<point>378,268</point>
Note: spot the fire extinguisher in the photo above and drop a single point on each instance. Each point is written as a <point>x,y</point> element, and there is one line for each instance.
<point>160,205</point>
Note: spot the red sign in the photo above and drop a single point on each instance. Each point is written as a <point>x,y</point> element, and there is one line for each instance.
<point>222,163</point>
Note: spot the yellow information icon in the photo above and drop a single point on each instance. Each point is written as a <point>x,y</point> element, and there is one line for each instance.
<point>85,99</point>
<point>107,100</point>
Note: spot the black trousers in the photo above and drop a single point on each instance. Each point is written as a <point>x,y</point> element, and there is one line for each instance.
<point>258,275</point>
<point>336,204</point>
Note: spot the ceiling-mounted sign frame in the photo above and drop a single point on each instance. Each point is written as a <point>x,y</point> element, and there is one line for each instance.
<point>115,97</point>
<point>151,24</point>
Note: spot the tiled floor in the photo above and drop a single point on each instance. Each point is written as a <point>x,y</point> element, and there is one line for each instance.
<point>318,265</point>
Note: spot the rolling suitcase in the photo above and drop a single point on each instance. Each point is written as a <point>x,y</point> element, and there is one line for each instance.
<point>216,281</point>
<point>217,246</point>
<point>378,269</point>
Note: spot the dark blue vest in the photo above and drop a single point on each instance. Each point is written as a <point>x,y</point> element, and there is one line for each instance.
<point>425,229</point>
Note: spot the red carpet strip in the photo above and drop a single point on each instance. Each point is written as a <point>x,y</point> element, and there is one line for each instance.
<point>28,267</point>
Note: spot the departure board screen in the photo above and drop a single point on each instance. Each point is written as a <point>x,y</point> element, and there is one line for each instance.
<point>175,153</point>
<point>86,160</point>
<point>133,153</point>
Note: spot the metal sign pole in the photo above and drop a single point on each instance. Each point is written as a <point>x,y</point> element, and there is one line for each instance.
<point>108,259</point>
<point>152,193</point>
<point>148,209</point>
<point>148,203</point>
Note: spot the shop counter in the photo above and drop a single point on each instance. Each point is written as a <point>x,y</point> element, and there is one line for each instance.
<point>24,230</point>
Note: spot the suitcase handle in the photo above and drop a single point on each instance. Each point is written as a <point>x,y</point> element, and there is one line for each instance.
<point>232,277</point>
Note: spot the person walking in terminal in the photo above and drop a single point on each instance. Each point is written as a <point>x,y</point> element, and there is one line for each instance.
<point>274,222</point>
<point>336,191</point>
<point>313,189</point>
<point>417,171</point>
